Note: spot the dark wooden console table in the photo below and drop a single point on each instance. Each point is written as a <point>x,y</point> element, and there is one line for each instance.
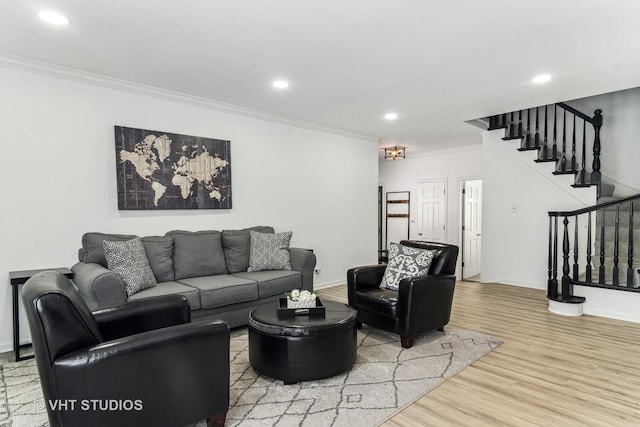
<point>18,278</point>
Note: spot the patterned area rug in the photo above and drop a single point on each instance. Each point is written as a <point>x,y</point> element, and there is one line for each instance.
<point>385,379</point>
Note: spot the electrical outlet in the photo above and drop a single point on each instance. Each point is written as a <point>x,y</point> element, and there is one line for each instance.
<point>317,271</point>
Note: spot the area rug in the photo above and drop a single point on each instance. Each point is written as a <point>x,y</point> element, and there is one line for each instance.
<point>385,379</point>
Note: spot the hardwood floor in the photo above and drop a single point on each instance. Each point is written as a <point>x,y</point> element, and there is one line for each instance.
<point>550,370</point>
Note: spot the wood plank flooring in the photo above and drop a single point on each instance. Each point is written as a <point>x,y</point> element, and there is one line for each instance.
<point>550,370</point>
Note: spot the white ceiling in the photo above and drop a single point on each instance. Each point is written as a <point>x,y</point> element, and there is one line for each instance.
<point>436,63</point>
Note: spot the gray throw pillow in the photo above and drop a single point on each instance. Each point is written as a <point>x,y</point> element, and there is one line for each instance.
<point>404,262</point>
<point>269,251</point>
<point>236,245</point>
<point>128,260</point>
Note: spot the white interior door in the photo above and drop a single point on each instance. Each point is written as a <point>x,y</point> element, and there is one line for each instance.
<point>432,208</point>
<point>472,231</point>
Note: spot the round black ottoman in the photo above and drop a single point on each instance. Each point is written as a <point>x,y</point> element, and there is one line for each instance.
<point>302,348</point>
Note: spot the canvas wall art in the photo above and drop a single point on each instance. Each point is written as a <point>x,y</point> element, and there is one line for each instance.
<point>162,170</point>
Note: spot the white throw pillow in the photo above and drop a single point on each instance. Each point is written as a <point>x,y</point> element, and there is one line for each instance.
<point>128,260</point>
<point>269,251</point>
<point>404,262</point>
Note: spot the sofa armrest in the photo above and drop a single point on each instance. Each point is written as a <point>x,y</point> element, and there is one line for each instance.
<point>99,286</point>
<point>304,261</point>
<point>424,303</point>
<point>135,317</point>
<point>177,374</point>
<point>365,277</point>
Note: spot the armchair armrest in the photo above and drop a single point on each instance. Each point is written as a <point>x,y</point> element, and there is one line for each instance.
<point>135,317</point>
<point>175,374</point>
<point>424,303</point>
<point>365,277</point>
<point>304,261</point>
<point>99,286</point>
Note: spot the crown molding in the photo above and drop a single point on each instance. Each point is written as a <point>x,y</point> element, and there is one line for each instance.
<point>92,79</point>
<point>445,151</point>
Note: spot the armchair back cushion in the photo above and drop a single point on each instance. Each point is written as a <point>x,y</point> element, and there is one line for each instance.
<point>445,256</point>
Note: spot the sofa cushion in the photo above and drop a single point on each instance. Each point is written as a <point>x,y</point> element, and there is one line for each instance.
<point>274,282</point>
<point>159,251</point>
<point>379,301</point>
<point>128,260</point>
<point>170,288</point>
<point>236,244</point>
<point>222,289</point>
<point>269,251</point>
<point>92,248</point>
<point>405,261</point>
<point>197,254</point>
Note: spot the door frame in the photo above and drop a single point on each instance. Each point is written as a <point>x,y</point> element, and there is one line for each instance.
<point>461,182</point>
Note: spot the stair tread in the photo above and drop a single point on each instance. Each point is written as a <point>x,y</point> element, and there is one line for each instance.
<point>553,159</point>
<point>528,148</point>
<point>561,172</point>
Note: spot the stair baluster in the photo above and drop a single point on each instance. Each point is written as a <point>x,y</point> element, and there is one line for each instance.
<point>552,282</point>
<point>527,141</point>
<point>575,250</point>
<point>563,159</point>
<point>574,167</point>
<point>554,148</point>
<point>512,126</point>
<point>582,176</point>
<point>616,237</point>
<point>595,174</point>
<point>588,267</point>
<point>601,269</point>
<point>566,280</point>
<point>630,248</point>
<point>536,139</point>
<point>519,123</point>
<point>544,152</point>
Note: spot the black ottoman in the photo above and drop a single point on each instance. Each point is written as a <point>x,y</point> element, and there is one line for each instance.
<point>302,348</point>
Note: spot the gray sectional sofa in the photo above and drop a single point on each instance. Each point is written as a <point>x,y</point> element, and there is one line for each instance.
<point>208,267</point>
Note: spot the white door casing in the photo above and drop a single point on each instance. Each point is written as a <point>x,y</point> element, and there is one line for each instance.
<point>472,228</point>
<point>432,211</point>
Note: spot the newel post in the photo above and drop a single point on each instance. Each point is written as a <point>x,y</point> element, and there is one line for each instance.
<point>595,174</point>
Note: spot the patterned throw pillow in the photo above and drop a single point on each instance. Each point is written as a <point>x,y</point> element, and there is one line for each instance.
<point>269,251</point>
<point>405,262</point>
<point>128,260</point>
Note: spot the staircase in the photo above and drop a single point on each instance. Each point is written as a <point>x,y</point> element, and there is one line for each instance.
<point>599,245</point>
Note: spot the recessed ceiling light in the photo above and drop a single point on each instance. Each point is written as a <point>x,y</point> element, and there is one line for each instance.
<point>541,79</point>
<point>281,84</point>
<point>391,116</point>
<point>53,18</point>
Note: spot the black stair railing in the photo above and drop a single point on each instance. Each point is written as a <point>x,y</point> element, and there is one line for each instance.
<point>564,153</point>
<point>610,218</point>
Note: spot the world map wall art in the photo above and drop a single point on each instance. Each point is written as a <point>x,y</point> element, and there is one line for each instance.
<point>162,170</point>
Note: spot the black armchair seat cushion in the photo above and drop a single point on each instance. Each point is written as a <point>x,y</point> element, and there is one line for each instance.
<point>381,301</point>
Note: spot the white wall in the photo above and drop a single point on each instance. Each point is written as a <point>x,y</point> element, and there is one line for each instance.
<point>58,177</point>
<point>451,165</point>
<point>515,242</point>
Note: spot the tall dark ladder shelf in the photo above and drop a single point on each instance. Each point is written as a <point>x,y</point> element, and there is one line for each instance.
<point>397,209</point>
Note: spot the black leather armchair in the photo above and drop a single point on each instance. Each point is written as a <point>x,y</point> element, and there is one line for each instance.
<point>421,304</point>
<point>142,363</point>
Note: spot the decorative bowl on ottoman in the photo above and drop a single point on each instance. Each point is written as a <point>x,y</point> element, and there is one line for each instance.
<point>300,299</point>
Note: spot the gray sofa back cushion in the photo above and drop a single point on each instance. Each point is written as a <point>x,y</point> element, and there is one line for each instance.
<point>236,245</point>
<point>92,248</point>
<point>197,253</point>
<point>159,251</point>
